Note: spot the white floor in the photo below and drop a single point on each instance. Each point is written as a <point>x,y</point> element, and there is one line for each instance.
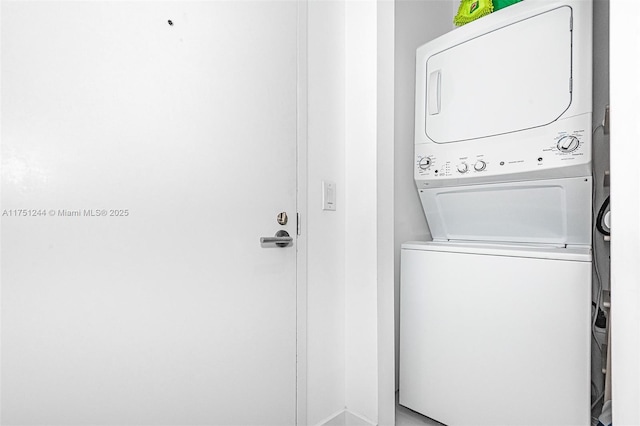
<point>407,417</point>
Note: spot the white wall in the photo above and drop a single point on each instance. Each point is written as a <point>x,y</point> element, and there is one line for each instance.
<point>385,212</point>
<point>416,22</point>
<point>326,229</point>
<point>625,211</point>
<point>361,238</point>
<point>350,272</point>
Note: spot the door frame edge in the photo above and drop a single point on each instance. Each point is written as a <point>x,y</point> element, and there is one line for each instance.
<point>301,210</point>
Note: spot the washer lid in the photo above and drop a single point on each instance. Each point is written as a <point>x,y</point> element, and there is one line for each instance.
<point>573,253</point>
<point>554,211</point>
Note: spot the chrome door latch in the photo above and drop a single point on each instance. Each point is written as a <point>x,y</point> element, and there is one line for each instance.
<point>281,239</point>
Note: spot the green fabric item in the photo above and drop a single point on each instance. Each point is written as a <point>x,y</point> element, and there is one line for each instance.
<point>501,4</point>
<point>471,10</point>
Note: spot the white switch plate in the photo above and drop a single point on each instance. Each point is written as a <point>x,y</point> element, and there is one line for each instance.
<point>328,195</point>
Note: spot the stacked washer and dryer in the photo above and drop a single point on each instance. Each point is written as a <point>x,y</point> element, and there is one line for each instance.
<point>496,310</point>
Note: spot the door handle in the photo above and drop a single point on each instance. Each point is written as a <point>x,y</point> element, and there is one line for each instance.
<point>281,239</point>
<point>434,92</point>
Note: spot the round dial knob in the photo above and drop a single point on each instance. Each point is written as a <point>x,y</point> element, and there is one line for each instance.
<point>568,144</point>
<point>463,168</point>
<point>424,163</point>
<point>480,165</point>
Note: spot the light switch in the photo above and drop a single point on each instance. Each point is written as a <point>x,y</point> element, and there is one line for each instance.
<point>328,195</point>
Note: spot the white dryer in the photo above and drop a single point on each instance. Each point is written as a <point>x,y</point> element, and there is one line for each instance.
<point>495,312</point>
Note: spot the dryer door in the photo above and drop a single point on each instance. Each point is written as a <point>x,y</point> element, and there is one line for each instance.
<point>514,78</point>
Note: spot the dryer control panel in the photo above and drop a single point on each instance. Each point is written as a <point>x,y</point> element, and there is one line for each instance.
<point>563,147</point>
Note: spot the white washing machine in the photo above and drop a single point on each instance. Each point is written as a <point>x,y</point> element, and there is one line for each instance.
<point>496,334</point>
<point>495,312</point>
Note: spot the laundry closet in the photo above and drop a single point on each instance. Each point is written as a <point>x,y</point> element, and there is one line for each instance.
<point>496,320</point>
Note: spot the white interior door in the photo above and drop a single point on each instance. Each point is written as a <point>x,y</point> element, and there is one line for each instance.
<point>177,119</point>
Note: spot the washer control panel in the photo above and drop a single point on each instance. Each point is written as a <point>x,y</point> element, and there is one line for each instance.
<point>480,165</point>
<point>462,167</point>
<point>507,155</point>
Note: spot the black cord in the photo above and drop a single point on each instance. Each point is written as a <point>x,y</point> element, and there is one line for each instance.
<point>601,212</point>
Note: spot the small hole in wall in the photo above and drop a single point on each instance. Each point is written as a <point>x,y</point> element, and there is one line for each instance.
<point>170,22</point>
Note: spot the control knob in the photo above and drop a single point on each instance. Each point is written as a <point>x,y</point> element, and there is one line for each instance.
<point>568,144</point>
<point>479,166</point>
<point>463,168</point>
<point>424,163</point>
